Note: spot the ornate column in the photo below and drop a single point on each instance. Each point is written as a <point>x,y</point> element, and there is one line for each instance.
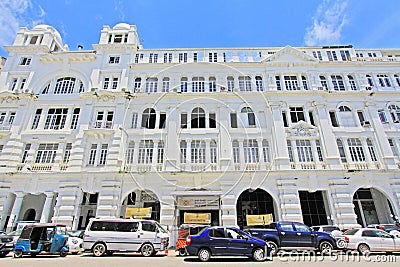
<point>16,209</point>
<point>47,208</point>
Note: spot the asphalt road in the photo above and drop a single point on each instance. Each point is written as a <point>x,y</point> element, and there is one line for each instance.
<point>170,260</point>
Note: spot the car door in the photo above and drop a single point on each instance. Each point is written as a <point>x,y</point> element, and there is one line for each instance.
<point>304,234</point>
<point>238,242</point>
<point>371,238</point>
<point>387,241</point>
<point>218,243</point>
<point>287,235</point>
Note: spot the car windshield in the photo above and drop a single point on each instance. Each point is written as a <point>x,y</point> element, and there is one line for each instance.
<point>162,230</point>
<point>15,233</point>
<point>330,229</point>
<point>389,228</point>
<point>351,232</point>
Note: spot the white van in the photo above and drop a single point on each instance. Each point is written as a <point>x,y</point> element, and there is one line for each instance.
<point>106,236</point>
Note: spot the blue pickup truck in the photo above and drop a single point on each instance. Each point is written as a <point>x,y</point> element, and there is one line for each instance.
<point>283,235</point>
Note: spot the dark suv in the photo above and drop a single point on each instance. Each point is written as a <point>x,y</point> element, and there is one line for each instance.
<point>6,244</point>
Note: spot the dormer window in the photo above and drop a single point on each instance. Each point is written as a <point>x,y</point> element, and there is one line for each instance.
<point>118,38</point>
<point>33,40</point>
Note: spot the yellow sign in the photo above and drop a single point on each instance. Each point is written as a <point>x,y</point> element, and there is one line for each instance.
<point>138,212</point>
<point>262,219</point>
<point>197,218</point>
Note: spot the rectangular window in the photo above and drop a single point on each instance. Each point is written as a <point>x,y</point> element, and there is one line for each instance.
<point>382,116</point>
<point>341,151</point>
<point>361,118</point>
<point>356,149</point>
<point>56,118</point>
<point>234,120</point>
<point>245,83</point>
<point>106,82</point>
<point>46,153</point>
<point>198,152</point>
<point>103,154</point>
<point>236,151</point>
<point>165,85</point>
<point>75,118</point>
<point>65,85</point>
<point>393,147</point>
<point>146,152</point>
<point>130,153</point>
<point>36,119</point>
<point>13,84</point>
<point>195,57</point>
<point>265,148</point>
<point>291,83</point>
<point>296,114</point>
<point>151,85</point>
<point>311,116</point>
<point>213,152</point>
<point>22,85</point>
<point>319,150</point>
<point>371,150</point>
<point>284,119</point>
<point>290,150</point>
<point>334,122</point>
<point>230,84</point>
<point>183,120</point>
<point>304,151</point>
<point>115,83</point>
<point>183,150</point>
<point>67,153</point>
<point>163,118</point>
<point>25,153</point>
<point>25,61</point>
<point>212,120</point>
<point>113,60</point>
<point>160,152</point>
<point>134,121</point>
<point>250,147</point>
<point>278,83</point>
<point>92,155</point>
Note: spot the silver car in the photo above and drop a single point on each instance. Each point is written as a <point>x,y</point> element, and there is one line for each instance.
<point>367,240</point>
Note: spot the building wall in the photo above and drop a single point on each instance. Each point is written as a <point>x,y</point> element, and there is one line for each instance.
<point>273,82</point>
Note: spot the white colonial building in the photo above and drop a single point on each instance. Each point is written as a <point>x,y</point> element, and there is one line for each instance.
<point>308,134</point>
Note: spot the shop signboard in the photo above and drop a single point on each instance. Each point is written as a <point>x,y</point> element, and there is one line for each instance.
<point>261,219</point>
<point>138,213</point>
<point>197,218</point>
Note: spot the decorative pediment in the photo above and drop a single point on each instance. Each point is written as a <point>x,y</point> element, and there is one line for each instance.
<point>302,129</point>
<point>289,54</point>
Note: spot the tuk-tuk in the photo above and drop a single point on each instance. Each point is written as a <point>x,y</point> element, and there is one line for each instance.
<point>42,238</point>
<point>183,232</point>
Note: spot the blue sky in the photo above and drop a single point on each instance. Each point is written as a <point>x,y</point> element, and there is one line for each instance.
<point>212,23</point>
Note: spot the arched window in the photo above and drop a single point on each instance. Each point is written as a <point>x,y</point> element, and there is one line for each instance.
<point>259,84</point>
<point>352,82</point>
<point>149,118</point>
<point>64,85</point>
<point>338,84</point>
<point>151,85</point>
<point>138,84</point>
<point>131,198</point>
<point>324,83</point>
<point>198,118</point>
<point>248,118</point>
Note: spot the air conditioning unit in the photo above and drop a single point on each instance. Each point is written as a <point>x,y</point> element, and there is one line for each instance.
<point>298,88</point>
<point>368,88</point>
<point>366,123</point>
<point>137,90</point>
<point>321,88</point>
<point>222,89</point>
<point>94,89</point>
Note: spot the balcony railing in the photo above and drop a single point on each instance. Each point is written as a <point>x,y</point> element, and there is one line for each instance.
<point>102,125</point>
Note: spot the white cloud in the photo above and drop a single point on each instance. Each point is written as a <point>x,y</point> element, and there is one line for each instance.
<point>15,14</point>
<point>328,22</point>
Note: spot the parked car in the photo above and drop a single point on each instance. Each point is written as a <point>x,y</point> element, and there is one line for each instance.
<point>183,232</point>
<point>226,241</point>
<point>392,229</point>
<point>284,235</point>
<point>106,236</point>
<point>75,241</point>
<point>367,240</point>
<point>6,244</point>
<point>42,238</point>
<point>333,231</point>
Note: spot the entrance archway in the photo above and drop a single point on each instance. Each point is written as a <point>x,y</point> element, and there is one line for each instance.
<point>372,207</point>
<point>29,215</point>
<point>254,202</point>
<point>142,199</point>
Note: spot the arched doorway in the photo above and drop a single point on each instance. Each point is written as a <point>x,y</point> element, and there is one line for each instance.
<point>254,202</point>
<point>143,201</point>
<point>29,215</point>
<point>372,207</point>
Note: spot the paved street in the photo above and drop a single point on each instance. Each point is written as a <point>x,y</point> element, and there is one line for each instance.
<point>172,261</point>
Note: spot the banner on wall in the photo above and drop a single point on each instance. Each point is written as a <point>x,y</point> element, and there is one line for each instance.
<point>197,218</point>
<point>138,213</point>
<point>261,219</point>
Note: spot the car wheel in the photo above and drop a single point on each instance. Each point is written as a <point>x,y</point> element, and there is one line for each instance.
<point>182,252</point>
<point>274,247</point>
<point>325,248</point>
<point>147,250</point>
<point>75,253</point>
<point>3,254</point>
<point>258,254</point>
<point>18,254</point>
<point>363,249</point>
<point>63,253</point>
<point>99,250</point>
<point>204,254</point>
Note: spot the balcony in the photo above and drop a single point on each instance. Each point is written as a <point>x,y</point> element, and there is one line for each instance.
<point>100,129</point>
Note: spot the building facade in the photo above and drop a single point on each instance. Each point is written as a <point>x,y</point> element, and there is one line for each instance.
<point>308,134</point>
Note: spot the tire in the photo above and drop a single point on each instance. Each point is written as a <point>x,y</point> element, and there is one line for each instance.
<point>63,253</point>
<point>99,250</point>
<point>258,254</point>
<point>147,250</point>
<point>18,254</point>
<point>274,248</point>
<point>109,253</point>
<point>182,252</point>
<point>75,253</point>
<point>3,254</point>
<point>33,254</point>
<point>363,249</point>
<point>204,254</point>
<point>325,248</point>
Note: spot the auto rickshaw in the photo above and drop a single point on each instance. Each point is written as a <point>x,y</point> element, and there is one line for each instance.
<point>183,232</point>
<point>42,238</point>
